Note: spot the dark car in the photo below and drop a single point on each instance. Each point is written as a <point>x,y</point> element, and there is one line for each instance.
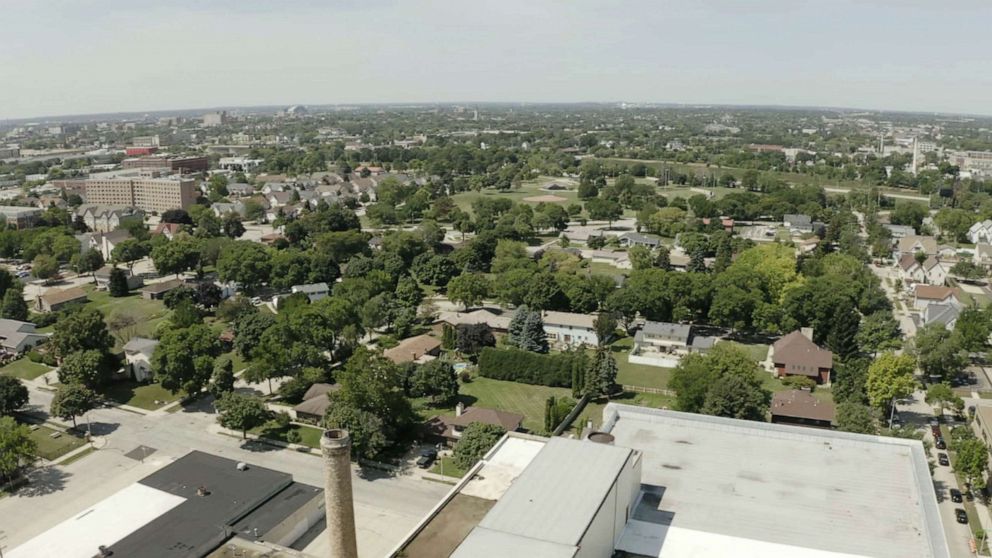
<point>942,459</point>
<point>426,458</point>
<point>955,495</point>
<point>934,422</point>
<point>940,443</point>
<point>960,515</point>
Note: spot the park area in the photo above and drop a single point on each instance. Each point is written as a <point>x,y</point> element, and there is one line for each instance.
<point>528,189</point>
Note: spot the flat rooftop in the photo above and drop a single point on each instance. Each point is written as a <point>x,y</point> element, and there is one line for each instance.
<point>731,488</point>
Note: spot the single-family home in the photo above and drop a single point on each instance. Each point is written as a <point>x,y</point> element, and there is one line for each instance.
<point>102,277</point>
<point>156,291</point>
<point>497,322</point>
<point>315,403</point>
<point>279,199</point>
<point>900,231</point>
<point>945,314</point>
<point>240,189</point>
<point>799,407</point>
<point>106,242</point>
<point>421,348</point>
<point>983,256</point>
<point>981,232</point>
<point>567,329</point>
<point>170,230</point>
<point>449,429</point>
<point>797,222</point>
<point>631,239</point>
<point>914,244</point>
<point>664,344</point>
<point>56,299</point>
<point>929,294</point>
<point>314,291</point>
<point>797,355</point>
<point>17,336</point>
<point>138,353</point>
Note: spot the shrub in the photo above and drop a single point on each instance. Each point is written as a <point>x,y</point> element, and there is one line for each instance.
<point>799,382</point>
<point>465,376</point>
<point>531,368</point>
<point>35,356</point>
<point>294,437</point>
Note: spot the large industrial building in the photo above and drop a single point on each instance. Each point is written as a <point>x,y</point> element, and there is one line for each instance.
<point>200,505</point>
<point>664,484</point>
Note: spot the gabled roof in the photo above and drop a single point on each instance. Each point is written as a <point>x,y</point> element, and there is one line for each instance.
<point>508,421</point>
<point>141,345</point>
<point>907,261</point>
<point>797,403</point>
<point>58,296</point>
<point>319,389</point>
<point>570,319</point>
<point>412,348</point>
<point>941,313</point>
<point>480,316</point>
<point>801,356</point>
<point>310,288</point>
<point>912,244</point>
<point>934,292</point>
<point>162,287</point>
<point>171,228</point>
<point>667,331</point>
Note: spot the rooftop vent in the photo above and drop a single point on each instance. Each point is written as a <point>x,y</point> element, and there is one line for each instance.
<point>600,438</point>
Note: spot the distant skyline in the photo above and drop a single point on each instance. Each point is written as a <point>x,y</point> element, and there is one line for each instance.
<point>62,57</point>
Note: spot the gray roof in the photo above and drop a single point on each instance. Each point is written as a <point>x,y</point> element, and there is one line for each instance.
<point>938,313</point>
<point>703,342</point>
<point>140,345</point>
<point>310,288</point>
<point>667,331</point>
<point>554,500</point>
<point>639,238</point>
<point>797,219</point>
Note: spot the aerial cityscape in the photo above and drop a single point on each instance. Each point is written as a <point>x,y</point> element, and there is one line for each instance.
<point>527,298</point>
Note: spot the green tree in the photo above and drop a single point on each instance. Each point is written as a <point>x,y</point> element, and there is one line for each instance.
<point>222,379</point>
<point>605,325</point>
<point>469,289</point>
<point>879,331</point>
<point>129,251</point>
<point>477,439</point>
<point>940,396</point>
<point>17,447</point>
<point>601,376</point>
<point>471,338</point>
<point>938,352</point>
<point>118,283</point>
<point>697,375</point>
<point>73,400</point>
<point>739,396</point>
<point>13,395</point>
<point>88,368</point>
<point>81,331</point>
<point>436,379</point>
<point>183,359</point>
<point>180,254</point>
<point>44,266</point>
<point>972,329</point>
<point>844,331</point>
<point>231,225</point>
<point>857,418</point>
<point>533,337</point>
<point>600,209</point>
<point>890,377</point>
<point>640,257</point>
<point>971,459</point>
<point>245,262</point>
<point>242,412</point>
<point>14,307</point>
<point>88,261</point>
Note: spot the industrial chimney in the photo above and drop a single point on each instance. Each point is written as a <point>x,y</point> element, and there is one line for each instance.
<point>335,445</point>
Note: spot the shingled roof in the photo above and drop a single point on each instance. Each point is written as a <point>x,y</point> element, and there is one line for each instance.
<point>798,355</point>
<point>509,421</point>
<point>796,403</point>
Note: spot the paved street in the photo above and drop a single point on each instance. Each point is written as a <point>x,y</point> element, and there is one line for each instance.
<point>902,315</point>
<point>386,506</point>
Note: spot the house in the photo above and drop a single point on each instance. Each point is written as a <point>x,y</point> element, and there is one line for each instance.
<point>240,189</point>
<point>449,429</point>
<point>900,231</point>
<point>279,199</point>
<point>17,336</point>
<point>569,329</point>
<point>983,256</point>
<point>929,294</point>
<point>914,244</point>
<point>315,403</point>
<point>981,232</point>
<point>725,222</point>
<point>102,277</point>
<point>630,239</point>
<point>496,322</point>
<point>222,209</point>
<point>105,218</point>
<point>57,299</point>
<point>945,314</point>
<point>314,291</point>
<point>664,344</point>
<point>797,355</point>
<point>799,407</point>
<point>106,242</point>
<point>138,353</point>
<point>168,229</point>
<point>421,348</point>
<point>798,223</point>
<point>156,291</point>
<point>271,239</point>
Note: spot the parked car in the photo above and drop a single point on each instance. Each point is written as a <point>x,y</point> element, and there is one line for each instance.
<point>942,459</point>
<point>956,495</point>
<point>934,422</point>
<point>960,515</point>
<point>940,443</point>
<point>426,458</point>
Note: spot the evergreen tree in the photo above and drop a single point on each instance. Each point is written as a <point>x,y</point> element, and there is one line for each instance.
<point>533,338</point>
<point>118,283</point>
<point>663,259</point>
<point>14,307</point>
<point>724,251</point>
<point>549,409</point>
<point>843,331</point>
<point>516,328</point>
<point>601,376</point>
<point>697,260</point>
<point>447,337</point>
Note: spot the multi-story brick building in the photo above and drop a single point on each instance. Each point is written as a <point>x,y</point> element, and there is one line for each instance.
<point>152,195</point>
<point>172,164</point>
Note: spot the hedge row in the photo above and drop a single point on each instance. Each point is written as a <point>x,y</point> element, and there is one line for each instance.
<point>530,368</point>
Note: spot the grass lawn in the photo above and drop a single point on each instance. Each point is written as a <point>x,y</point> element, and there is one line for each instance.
<point>528,189</point>
<point>637,374</point>
<point>147,313</point>
<point>24,369</point>
<point>600,268</point>
<point>52,448</point>
<point>758,351</point>
<point>309,435</point>
<point>449,468</point>
<point>143,396</point>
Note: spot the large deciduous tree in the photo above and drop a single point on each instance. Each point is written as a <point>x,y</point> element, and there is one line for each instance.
<point>245,262</point>
<point>242,412</point>
<point>184,358</point>
<point>81,331</point>
<point>890,377</point>
<point>13,395</point>
<point>17,447</point>
<point>469,289</point>
<point>477,439</point>
<point>73,400</point>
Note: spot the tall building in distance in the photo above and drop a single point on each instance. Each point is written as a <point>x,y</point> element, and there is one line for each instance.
<point>152,195</point>
<point>214,119</point>
<point>171,164</point>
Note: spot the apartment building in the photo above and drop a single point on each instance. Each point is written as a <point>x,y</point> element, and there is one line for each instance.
<point>172,164</point>
<point>152,195</point>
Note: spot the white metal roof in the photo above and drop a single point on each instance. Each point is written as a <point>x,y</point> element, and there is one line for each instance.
<point>557,495</point>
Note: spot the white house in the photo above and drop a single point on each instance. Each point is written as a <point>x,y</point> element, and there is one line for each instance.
<point>664,344</point>
<point>17,336</point>
<point>569,329</point>
<point>981,232</point>
<point>931,272</point>
<point>913,244</point>
<point>138,353</point>
<point>945,314</point>
<point>314,291</point>
<point>983,256</point>
<point>932,294</point>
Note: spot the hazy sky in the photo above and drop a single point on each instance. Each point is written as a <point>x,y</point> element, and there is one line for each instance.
<point>85,56</point>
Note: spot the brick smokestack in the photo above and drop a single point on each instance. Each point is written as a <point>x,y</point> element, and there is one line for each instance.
<point>335,445</point>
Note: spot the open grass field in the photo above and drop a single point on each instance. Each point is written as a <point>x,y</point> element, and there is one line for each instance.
<point>52,448</point>
<point>758,351</point>
<point>147,313</point>
<point>527,189</point>
<point>24,369</point>
<point>143,396</point>
<point>309,435</point>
